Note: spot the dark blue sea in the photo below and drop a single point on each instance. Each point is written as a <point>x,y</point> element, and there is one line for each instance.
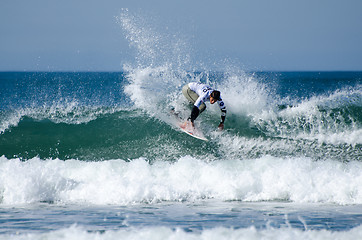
<point>97,155</point>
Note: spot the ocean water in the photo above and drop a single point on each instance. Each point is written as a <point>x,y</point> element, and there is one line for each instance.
<point>97,155</point>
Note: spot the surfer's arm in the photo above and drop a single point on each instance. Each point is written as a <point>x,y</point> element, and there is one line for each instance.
<point>223,116</point>
<point>223,113</point>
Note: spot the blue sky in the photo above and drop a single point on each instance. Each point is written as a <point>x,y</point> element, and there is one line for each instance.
<point>74,35</point>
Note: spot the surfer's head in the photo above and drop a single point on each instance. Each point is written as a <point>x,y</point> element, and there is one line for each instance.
<point>214,96</point>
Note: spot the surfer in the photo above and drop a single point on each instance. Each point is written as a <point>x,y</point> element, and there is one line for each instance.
<point>198,94</point>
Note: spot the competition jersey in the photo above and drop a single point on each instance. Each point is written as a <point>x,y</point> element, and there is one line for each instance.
<point>204,91</point>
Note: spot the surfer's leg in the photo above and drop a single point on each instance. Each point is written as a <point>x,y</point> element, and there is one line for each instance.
<point>189,94</point>
<point>202,107</point>
<point>192,97</point>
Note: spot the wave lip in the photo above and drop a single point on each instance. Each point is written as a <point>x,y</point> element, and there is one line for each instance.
<point>299,180</point>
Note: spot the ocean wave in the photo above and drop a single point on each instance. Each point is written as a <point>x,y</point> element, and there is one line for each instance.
<point>110,133</point>
<point>120,182</point>
<point>102,134</point>
<point>72,98</point>
<point>59,112</point>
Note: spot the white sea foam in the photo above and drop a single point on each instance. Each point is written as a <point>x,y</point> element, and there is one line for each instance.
<point>118,182</point>
<point>162,233</point>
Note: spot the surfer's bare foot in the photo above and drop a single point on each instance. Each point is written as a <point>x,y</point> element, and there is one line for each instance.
<point>183,125</point>
<point>187,124</point>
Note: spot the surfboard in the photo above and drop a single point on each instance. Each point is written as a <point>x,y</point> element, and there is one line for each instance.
<point>193,132</point>
<point>188,129</point>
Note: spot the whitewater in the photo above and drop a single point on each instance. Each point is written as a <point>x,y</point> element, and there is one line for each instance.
<point>97,155</point>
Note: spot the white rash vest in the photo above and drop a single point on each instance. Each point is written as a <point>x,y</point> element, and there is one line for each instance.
<point>204,92</point>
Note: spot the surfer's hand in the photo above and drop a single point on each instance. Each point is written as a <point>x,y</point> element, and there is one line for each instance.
<point>221,126</point>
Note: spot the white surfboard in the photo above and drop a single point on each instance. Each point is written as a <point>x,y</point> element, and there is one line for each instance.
<point>187,128</point>
<point>193,132</point>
